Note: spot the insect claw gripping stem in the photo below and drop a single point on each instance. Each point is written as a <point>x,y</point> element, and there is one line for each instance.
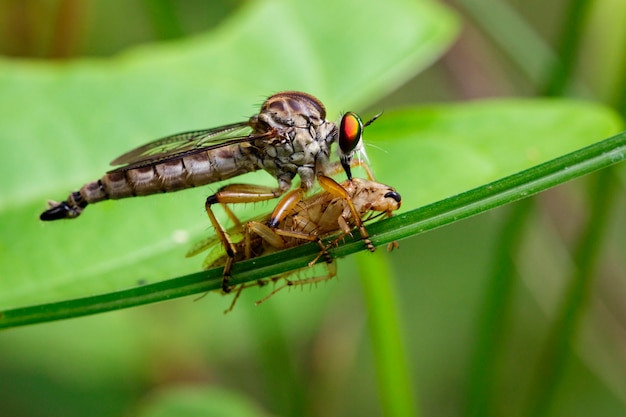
<point>225,287</point>
<point>226,275</point>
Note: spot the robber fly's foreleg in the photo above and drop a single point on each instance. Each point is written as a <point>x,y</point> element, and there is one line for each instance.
<point>333,188</point>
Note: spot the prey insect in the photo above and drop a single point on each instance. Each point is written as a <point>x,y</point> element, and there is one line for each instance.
<point>289,136</point>
<point>338,209</point>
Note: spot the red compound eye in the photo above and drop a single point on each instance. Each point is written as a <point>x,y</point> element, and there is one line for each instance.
<point>350,130</point>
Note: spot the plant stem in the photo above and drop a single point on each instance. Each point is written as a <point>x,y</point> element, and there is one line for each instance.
<point>384,326</point>
<point>495,311</point>
<point>563,69</point>
<point>512,34</point>
<point>562,337</point>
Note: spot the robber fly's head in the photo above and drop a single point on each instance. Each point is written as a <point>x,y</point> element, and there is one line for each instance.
<point>350,139</point>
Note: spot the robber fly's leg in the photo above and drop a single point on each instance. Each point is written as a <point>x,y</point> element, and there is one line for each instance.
<point>332,187</point>
<point>285,207</point>
<point>235,193</point>
<point>265,233</point>
<point>226,242</point>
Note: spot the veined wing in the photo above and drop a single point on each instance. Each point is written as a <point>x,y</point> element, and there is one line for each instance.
<point>184,144</point>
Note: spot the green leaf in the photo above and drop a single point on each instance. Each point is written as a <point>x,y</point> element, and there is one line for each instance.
<point>61,123</point>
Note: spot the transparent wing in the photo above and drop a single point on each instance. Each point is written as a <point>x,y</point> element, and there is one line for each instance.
<point>212,246</point>
<point>184,144</point>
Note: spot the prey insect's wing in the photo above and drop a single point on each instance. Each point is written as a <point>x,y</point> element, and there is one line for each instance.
<point>213,247</point>
<point>184,144</point>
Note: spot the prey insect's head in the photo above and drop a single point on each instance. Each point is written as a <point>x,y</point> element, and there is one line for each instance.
<point>350,138</point>
<point>373,196</point>
<point>391,201</point>
<point>394,196</point>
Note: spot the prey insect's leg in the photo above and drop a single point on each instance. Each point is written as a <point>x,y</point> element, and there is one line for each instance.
<point>283,209</point>
<point>332,187</point>
<point>294,234</point>
<point>332,272</point>
<point>259,283</point>
<point>235,193</point>
<point>235,298</point>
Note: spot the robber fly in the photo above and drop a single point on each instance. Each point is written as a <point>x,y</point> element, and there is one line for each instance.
<point>296,220</point>
<point>290,136</point>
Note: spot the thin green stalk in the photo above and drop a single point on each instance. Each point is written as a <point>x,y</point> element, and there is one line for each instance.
<point>513,35</point>
<point>562,337</point>
<point>562,70</point>
<point>495,311</point>
<point>512,188</point>
<point>621,87</point>
<point>284,386</point>
<point>384,327</point>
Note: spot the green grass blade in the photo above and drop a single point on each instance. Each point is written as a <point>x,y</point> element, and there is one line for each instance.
<point>513,35</point>
<point>385,333</point>
<point>495,311</point>
<point>559,346</point>
<point>512,188</point>
<point>563,69</point>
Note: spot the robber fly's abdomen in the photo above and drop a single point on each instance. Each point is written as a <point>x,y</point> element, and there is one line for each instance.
<point>189,171</point>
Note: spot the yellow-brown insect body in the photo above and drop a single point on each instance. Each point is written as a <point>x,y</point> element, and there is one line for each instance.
<point>318,216</point>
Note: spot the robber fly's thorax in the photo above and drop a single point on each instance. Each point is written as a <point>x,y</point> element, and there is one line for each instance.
<point>300,140</point>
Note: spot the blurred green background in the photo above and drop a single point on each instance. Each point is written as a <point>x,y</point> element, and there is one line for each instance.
<point>308,352</point>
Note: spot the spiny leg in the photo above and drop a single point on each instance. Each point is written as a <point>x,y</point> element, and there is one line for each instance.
<point>332,272</point>
<point>241,287</point>
<point>235,193</point>
<point>332,187</point>
<point>273,237</point>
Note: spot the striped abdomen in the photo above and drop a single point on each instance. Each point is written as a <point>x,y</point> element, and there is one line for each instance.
<point>189,171</point>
